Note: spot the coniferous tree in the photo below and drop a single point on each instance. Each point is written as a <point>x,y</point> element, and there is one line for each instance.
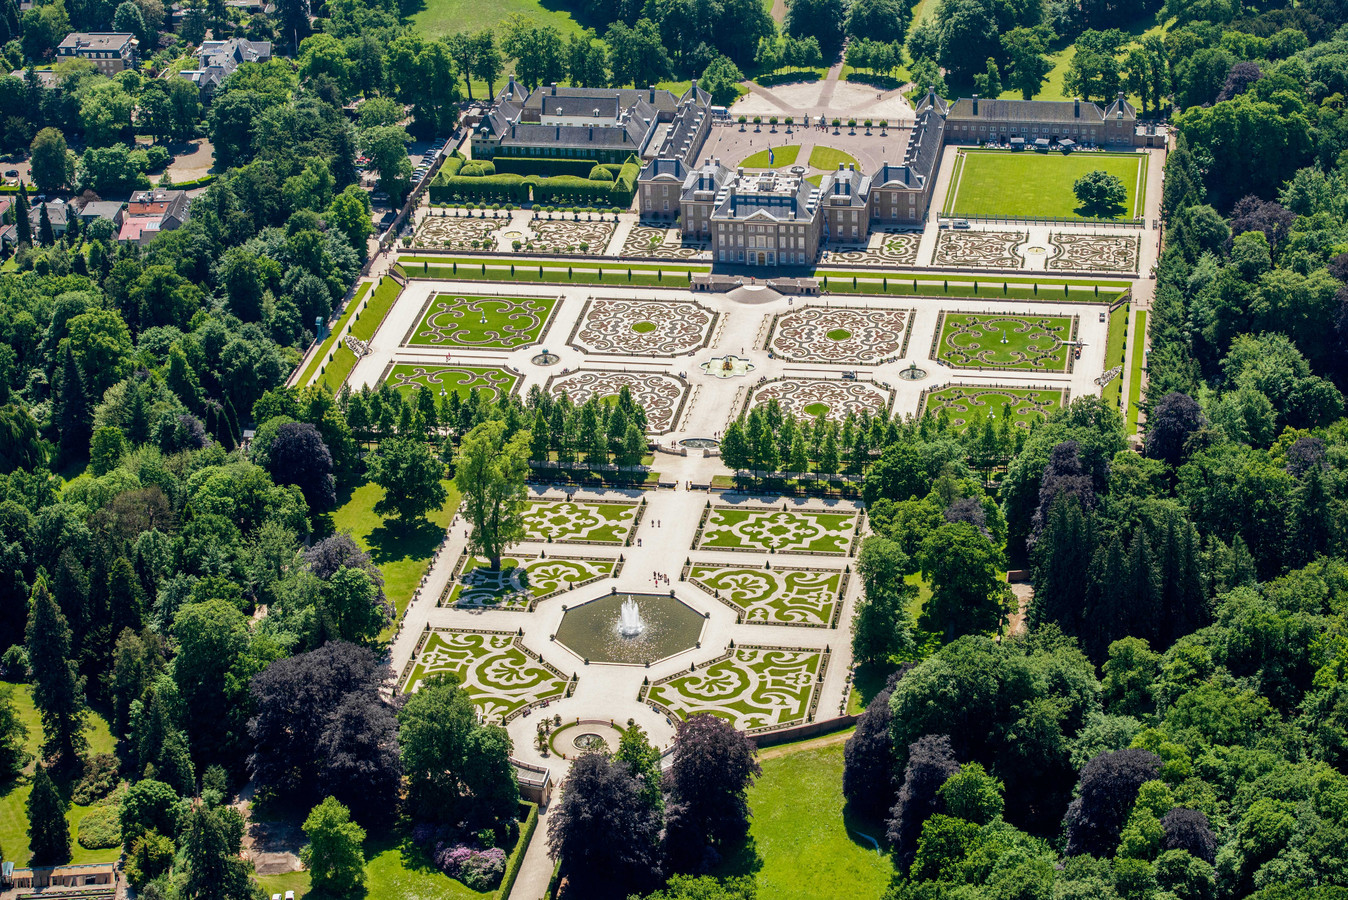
<point>22,225</point>
<point>45,235</point>
<point>1062,566</point>
<point>74,417</point>
<point>57,692</point>
<point>48,831</point>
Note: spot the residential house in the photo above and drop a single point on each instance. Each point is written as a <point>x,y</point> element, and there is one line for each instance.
<point>152,212</point>
<point>110,51</point>
<point>217,60</point>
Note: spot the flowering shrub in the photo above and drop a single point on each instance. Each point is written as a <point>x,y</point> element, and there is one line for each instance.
<point>480,870</point>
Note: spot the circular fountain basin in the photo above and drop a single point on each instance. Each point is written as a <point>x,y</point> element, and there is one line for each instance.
<point>912,373</point>
<point>697,443</point>
<point>592,632</point>
<point>727,366</point>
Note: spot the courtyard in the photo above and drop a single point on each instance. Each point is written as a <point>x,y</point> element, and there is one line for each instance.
<point>1033,185</point>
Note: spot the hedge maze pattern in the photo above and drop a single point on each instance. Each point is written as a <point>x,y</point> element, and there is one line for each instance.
<point>975,341</point>
<point>776,530</point>
<point>521,583</point>
<point>576,522</point>
<point>457,232</point>
<point>840,334</point>
<point>777,596</point>
<point>979,249</point>
<point>660,394</point>
<point>490,382</point>
<point>500,675</point>
<point>566,236</point>
<point>752,687</point>
<point>645,241</point>
<point>485,323</point>
<point>643,327</point>
<point>895,250</point>
<point>967,404</point>
<point>813,397</point>
<point>1094,252</point>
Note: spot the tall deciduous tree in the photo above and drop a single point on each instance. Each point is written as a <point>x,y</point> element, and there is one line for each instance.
<point>334,857</point>
<point>968,594</point>
<point>410,477</point>
<point>490,471</point>
<point>58,692</point>
<point>712,769</point>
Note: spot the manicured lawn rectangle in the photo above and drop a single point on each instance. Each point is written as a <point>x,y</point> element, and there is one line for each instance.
<point>441,18</point>
<point>1027,343</point>
<point>829,158</point>
<point>1135,370</point>
<point>368,322</point>
<point>1027,184</point>
<point>803,843</point>
<point>1114,345</point>
<point>565,521</point>
<point>781,158</point>
<point>967,405</point>
<point>326,348</point>
<point>775,529</point>
<point>493,323</point>
<point>490,382</point>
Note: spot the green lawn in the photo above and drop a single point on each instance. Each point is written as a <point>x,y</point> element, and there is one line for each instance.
<point>1135,370</point>
<point>367,323</point>
<point>803,844</point>
<point>490,381</point>
<point>439,18</point>
<point>1029,184</point>
<point>323,351</point>
<point>401,553</point>
<point>967,404</point>
<point>781,158</point>
<point>1114,345</point>
<point>980,341</point>
<point>14,794</point>
<point>495,323</point>
<point>829,158</point>
<point>394,870</point>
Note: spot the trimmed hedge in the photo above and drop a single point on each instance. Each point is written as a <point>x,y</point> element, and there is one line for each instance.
<point>560,190</point>
<point>516,859</point>
<point>542,166</point>
<point>481,189</point>
<point>449,168</point>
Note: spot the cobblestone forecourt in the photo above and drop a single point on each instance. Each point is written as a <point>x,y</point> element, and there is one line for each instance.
<point>756,687</point>
<point>762,530</point>
<point>1094,252</point>
<point>490,382</point>
<point>518,583</point>
<point>979,249</point>
<point>661,395</point>
<point>773,596</point>
<point>813,397</point>
<point>969,404</point>
<point>493,323</point>
<point>643,327</point>
<point>498,675</point>
<point>974,341</point>
<point>839,334</point>
<point>567,521</point>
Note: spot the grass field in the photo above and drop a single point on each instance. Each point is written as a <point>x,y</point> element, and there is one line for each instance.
<point>966,404</point>
<point>400,553</point>
<point>1114,345</point>
<point>781,158</point>
<point>1135,370</point>
<point>829,158</point>
<point>489,381</point>
<point>1037,185</point>
<point>495,323</point>
<point>14,794</point>
<point>367,323</point>
<point>323,351</point>
<point>973,340</point>
<point>438,18</point>
<point>803,843</point>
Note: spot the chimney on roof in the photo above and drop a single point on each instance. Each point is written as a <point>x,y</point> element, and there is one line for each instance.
<point>975,104</point>
<point>651,88</point>
<point>554,89</point>
<point>1076,108</point>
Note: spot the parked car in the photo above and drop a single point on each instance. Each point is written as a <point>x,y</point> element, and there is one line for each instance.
<point>960,223</point>
<point>11,173</point>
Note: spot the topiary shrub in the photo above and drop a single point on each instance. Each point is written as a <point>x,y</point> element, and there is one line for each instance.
<point>100,828</point>
<point>599,173</point>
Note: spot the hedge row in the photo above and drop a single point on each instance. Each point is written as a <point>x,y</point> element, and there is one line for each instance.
<point>542,166</point>
<point>563,190</point>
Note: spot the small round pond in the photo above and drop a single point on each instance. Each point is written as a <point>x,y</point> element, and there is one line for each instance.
<point>697,443</point>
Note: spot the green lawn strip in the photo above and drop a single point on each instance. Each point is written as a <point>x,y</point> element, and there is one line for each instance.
<point>969,404</point>
<point>1135,370</point>
<point>975,340</point>
<point>954,187</point>
<point>437,19</point>
<point>845,282</point>
<point>781,158</point>
<point>337,371</point>
<point>322,353</point>
<point>14,799</point>
<point>496,323</point>
<point>373,315</point>
<point>1042,183</point>
<point>490,381</point>
<point>803,843</point>
<point>829,158</point>
<point>1114,346</point>
<point>401,553</point>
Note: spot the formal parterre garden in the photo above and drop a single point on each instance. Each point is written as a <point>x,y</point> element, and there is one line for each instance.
<point>490,382</point>
<point>1007,184</point>
<point>497,672</point>
<point>482,323</point>
<point>566,521</point>
<point>752,687</point>
<point>776,530</point>
<point>967,405</point>
<point>520,583</point>
<point>776,596</point>
<point>992,341</point>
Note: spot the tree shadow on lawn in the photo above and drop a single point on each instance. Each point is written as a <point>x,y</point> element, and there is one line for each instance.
<point>393,540</point>
<point>858,825</point>
<point>1090,211</point>
<point>742,860</point>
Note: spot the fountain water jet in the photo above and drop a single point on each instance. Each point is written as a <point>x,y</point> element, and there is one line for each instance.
<point>629,619</point>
